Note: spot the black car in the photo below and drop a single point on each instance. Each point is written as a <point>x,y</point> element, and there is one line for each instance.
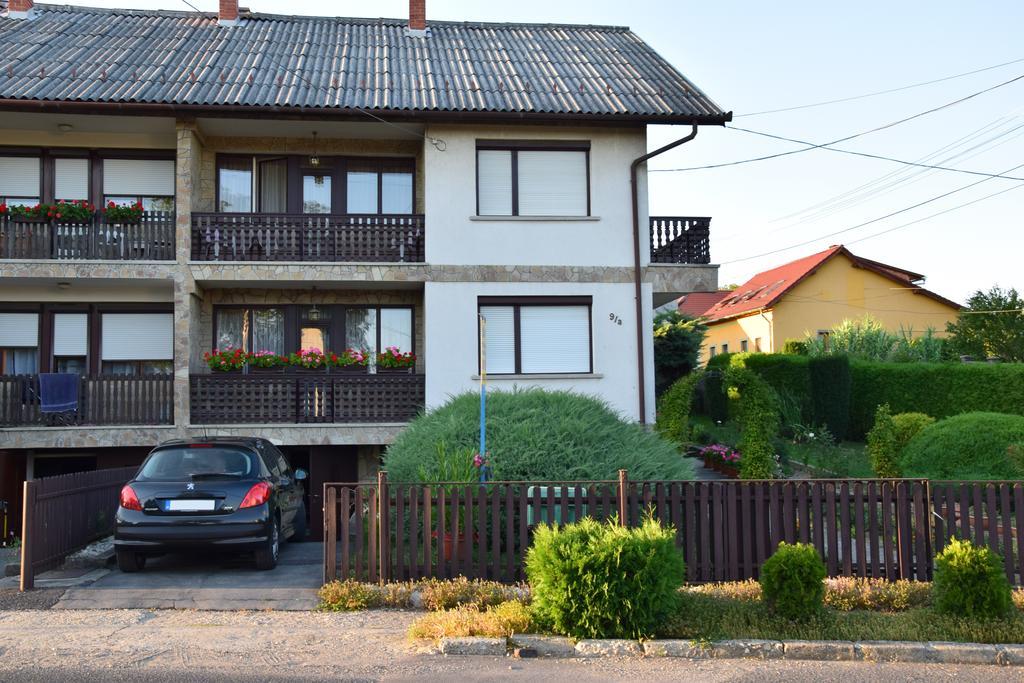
<point>230,494</point>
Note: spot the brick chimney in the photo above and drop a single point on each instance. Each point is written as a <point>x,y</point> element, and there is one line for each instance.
<point>19,9</point>
<point>417,17</point>
<point>228,15</point>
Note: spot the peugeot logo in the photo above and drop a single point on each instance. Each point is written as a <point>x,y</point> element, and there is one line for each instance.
<point>190,486</point>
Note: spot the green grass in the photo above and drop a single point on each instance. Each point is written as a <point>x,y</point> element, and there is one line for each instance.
<point>713,618</point>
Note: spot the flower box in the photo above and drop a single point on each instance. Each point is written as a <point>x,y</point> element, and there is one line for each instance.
<point>351,369</point>
<point>395,371</point>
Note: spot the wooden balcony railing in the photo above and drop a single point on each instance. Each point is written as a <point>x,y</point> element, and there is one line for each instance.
<point>105,400</point>
<point>151,239</point>
<point>305,398</point>
<point>680,239</point>
<point>307,237</point>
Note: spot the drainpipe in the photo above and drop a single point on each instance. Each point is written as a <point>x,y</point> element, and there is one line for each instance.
<point>637,276</point>
<point>771,332</point>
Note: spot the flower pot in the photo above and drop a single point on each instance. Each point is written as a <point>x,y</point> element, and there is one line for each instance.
<point>232,371</point>
<point>310,371</point>
<point>253,370</point>
<point>447,551</point>
<point>394,371</point>
<point>729,471</point>
<point>351,369</point>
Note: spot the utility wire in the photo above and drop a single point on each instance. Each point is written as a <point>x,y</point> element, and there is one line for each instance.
<point>869,222</point>
<point>843,139</point>
<point>879,92</point>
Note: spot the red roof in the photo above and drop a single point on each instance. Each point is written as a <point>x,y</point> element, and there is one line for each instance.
<point>694,304</point>
<point>765,289</point>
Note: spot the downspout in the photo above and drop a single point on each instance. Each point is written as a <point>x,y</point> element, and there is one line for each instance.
<point>771,332</point>
<point>637,276</point>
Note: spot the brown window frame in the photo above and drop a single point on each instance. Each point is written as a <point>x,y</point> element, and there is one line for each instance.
<point>515,146</point>
<point>517,303</point>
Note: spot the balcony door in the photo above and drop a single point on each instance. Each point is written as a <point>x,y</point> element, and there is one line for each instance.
<point>252,184</point>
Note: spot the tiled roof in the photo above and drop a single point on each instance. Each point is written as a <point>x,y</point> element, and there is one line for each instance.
<point>695,304</point>
<point>186,59</point>
<point>765,289</point>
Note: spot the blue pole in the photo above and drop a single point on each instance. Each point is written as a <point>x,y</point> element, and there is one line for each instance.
<point>483,397</point>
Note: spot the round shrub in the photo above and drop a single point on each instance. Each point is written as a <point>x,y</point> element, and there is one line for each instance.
<point>969,582</point>
<point>601,580</point>
<point>534,435</point>
<point>968,446</point>
<point>792,581</point>
<point>909,425</point>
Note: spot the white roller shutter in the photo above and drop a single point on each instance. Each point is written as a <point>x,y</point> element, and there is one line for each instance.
<point>494,182</point>
<point>19,329</point>
<point>143,177</point>
<point>500,339</point>
<point>552,183</point>
<point>70,334</point>
<point>19,176</point>
<point>555,338</point>
<point>138,336</point>
<point>71,178</point>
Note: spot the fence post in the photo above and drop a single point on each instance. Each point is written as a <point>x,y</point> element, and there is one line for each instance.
<point>27,536</point>
<point>330,510</point>
<point>383,532</point>
<point>623,496</point>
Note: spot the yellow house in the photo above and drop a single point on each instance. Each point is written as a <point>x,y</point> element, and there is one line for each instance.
<point>809,296</point>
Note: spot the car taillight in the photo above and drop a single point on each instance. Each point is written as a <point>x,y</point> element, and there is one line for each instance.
<point>130,501</point>
<point>258,495</point>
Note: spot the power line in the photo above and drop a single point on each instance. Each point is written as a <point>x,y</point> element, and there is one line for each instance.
<point>869,222</point>
<point>877,156</point>
<point>879,92</point>
<point>843,139</point>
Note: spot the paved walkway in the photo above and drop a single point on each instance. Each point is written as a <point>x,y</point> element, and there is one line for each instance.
<point>701,473</point>
<point>210,583</point>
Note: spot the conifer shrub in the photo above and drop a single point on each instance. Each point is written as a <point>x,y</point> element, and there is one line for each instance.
<point>830,392</point>
<point>965,447</point>
<point>792,581</point>
<point>882,445</point>
<point>969,581</point>
<point>909,425</point>
<point>602,580</point>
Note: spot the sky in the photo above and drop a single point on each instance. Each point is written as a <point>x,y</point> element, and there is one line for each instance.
<point>755,56</point>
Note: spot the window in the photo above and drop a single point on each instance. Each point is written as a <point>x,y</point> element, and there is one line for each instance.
<point>19,343</point>
<point>316,194</point>
<point>137,343</point>
<point>527,179</point>
<point>823,336</point>
<point>260,329</point>
<point>379,186</point>
<point>150,181</point>
<point>743,346</point>
<point>234,186</point>
<point>713,352</point>
<point>20,181</point>
<point>70,342</point>
<point>725,348</point>
<point>757,344</point>
<point>374,329</point>
<point>70,179</point>
<point>538,336</point>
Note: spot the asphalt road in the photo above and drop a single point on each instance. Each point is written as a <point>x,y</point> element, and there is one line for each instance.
<point>187,645</point>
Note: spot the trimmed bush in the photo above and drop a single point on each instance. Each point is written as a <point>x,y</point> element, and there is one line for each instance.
<point>594,580</point>
<point>792,581</point>
<point>968,446</point>
<point>535,434</point>
<point>500,621</point>
<point>882,445</point>
<point>797,347</point>
<point>758,416</point>
<point>830,392</point>
<point>909,425</point>
<point>969,582</point>
<point>674,408</point>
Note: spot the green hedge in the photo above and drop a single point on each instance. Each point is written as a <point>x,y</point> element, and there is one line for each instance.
<point>830,393</point>
<point>937,389</point>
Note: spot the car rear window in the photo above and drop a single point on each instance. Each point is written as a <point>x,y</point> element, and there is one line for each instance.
<point>184,463</point>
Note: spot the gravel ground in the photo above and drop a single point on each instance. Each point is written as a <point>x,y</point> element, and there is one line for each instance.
<point>41,598</point>
<point>182,645</point>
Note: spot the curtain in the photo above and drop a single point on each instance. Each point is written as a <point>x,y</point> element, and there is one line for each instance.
<point>232,329</point>
<point>361,329</point>
<point>274,186</point>
<point>268,330</point>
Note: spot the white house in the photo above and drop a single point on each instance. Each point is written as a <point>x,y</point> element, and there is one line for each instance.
<point>320,182</point>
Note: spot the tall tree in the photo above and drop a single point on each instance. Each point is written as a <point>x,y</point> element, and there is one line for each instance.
<point>992,325</point>
<point>677,342</point>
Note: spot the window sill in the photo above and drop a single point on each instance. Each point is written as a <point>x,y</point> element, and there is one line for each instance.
<point>544,375</point>
<point>534,219</point>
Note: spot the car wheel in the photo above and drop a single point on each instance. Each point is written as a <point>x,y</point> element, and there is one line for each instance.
<point>299,525</point>
<point>130,561</point>
<point>266,558</point>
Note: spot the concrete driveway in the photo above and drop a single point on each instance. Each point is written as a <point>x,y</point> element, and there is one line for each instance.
<point>208,583</point>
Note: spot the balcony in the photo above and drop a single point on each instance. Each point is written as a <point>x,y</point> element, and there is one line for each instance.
<point>313,398</point>
<point>680,240</point>
<point>151,239</point>
<point>106,400</point>
<point>308,237</point>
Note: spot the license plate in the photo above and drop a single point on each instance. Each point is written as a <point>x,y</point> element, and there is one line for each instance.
<point>191,505</point>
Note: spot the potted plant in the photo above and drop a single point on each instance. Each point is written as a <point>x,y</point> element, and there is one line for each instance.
<point>35,213</point>
<point>308,360</point>
<point>123,213</point>
<point>78,211</point>
<point>265,361</point>
<point>350,360</point>
<point>392,360</point>
<point>225,360</point>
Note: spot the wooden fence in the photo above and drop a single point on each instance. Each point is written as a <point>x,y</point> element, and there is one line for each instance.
<point>149,239</point>
<point>726,530</point>
<point>307,237</point>
<point>103,400</point>
<point>65,513</point>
